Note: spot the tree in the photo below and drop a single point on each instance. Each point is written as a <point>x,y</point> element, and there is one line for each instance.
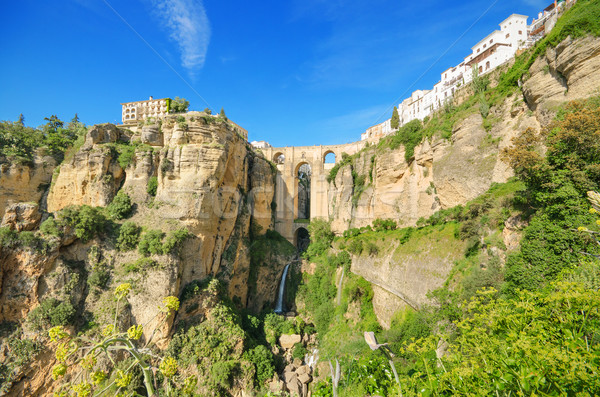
<point>21,120</point>
<point>222,114</point>
<point>179,105</point>
<point>395,122</point>
<point>207,111</point>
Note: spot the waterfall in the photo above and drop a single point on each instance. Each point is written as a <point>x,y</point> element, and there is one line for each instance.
<point>279,309</point>
<point>339,291</point>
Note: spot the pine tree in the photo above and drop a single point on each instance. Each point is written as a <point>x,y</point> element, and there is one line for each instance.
<point>222,114</point>
<point>21,119</point>
<point>395,122</point>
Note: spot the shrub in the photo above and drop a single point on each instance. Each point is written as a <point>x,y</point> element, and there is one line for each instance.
<point>355,247</point>
<point>140,265</point>
<point>85,220</point>
<point>174,241</point>
<point>384,224</point>
<point>51,227</point>
<point>129,236</point>
<point>152,186</point>
<point>99,277</point>
<point>372,248</point>
<point>321,237</point>
<point>262,358</point>
<point>51,312</point>
<point>151,243</point>
<point>8,237</point>
<point>120,207</point>
<point>299,351</point>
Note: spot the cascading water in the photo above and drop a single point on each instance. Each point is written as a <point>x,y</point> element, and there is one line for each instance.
<point>279,309</point>
<point>339,291</point>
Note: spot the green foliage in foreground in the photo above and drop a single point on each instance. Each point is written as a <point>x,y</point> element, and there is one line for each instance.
<point>543,342</point>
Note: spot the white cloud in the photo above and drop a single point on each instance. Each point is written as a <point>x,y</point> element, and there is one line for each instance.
<point>189,27</point>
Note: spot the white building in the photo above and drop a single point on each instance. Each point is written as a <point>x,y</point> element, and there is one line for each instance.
<point>260,144</point>
<point>492,51</point>
<point>499,46</point>
<point>132,112</point>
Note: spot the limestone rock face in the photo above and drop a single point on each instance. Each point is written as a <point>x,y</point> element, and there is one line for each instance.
<point>24,183</point>
<point>152,135</point>
<point>443,173</point>
<point>21,216</point>
<point>93,176</point>
<point>20,273</point>
<point>567,72</point>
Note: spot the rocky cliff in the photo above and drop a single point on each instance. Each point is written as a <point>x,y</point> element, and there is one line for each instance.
<point>444,173</point>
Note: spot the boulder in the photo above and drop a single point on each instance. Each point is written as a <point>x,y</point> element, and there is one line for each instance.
<point>287,341</point>
<point>21,216</point>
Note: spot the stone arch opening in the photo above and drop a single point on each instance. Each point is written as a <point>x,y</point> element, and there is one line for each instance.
<point>303,177</point>
<point>329,157</point>
<point>279,158</point>
<point>302,239</point>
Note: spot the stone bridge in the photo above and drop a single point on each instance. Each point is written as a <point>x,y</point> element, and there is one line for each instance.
<point>289,160</point>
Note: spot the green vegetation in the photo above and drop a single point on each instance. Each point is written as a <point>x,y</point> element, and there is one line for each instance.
<point>18,353</point>
<point>518,329</point>
<point>120,207</point>
<point>409,135</point>
<point>395,120</point>
<point>131,368</point>
<point>152,186</point>
<point>51,312</point>
<point>20,143</point>
<point>179,105</point>
<point>129,236</point>
<point>152,242</point>
<point>227,346</point>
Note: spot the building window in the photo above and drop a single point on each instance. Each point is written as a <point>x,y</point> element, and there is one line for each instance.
<point>487,65</point>
<point>485,45</point>
<point>520,32</point>
<point>491,41</point>
<point>507,35</point>
<point>478,50</point>
<point>480,69</point>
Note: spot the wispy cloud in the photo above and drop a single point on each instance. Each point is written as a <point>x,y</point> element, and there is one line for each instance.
<point>189,27</point>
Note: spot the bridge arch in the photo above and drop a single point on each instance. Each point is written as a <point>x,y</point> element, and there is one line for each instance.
<point>279,158</point>
<point>303,176</point>
<point>329,157</point>
<point>301,238</point>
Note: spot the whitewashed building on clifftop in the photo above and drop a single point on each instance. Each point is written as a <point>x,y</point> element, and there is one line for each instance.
<point>494,50</point>
<point>133,112</point>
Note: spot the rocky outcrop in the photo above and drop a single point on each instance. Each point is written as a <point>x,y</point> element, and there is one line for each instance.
<point>208,181</point>
<point>403,274</point>
<point>20,273</point>
<point>93,175</point>
<point>443,174</point>
<point>21,217</point>
<point>564,73</point>
<point>24,182</point>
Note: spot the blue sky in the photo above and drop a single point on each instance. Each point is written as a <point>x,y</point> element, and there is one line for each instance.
<point>297,72</point>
